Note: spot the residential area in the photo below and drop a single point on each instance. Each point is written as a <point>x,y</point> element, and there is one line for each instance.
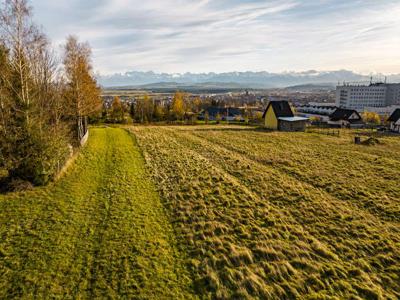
<point>359,106</point>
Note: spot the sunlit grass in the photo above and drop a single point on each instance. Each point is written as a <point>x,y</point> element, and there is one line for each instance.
<point>280,215</point>
<point>254,214</point>
<point>99,232</point>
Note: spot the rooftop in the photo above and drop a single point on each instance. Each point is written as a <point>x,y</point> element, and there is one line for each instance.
<point>395,116</point>
<point>281,109</point>
<point>293,119</point>
<point>343,114</point>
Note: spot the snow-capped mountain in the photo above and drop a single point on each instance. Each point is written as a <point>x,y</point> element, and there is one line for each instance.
<point>244,79</point>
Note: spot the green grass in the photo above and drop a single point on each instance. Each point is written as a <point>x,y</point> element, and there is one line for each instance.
<point>99,232</point>
<point>229,212</point>
<point>280,215</point>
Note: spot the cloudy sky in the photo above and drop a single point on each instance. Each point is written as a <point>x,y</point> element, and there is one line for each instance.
<point>230,35</point>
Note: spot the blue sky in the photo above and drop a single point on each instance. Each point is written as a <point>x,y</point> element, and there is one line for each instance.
<point>178,36</point>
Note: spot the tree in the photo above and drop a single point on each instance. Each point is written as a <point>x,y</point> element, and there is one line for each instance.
<point>33,140</point>
<point>178,105</point>
<point>81,91</point>
<point>218,118</point>
<point>118,110</point>
<point>158,112</point>
<point>21,37</point>
<point>371,117</point>
<point>144,109</point>
<point>385,118</point>
<point>247,115</point>
<point>132,110</point>
<point>197,105</point>
<point>258,116</point>
<point>6,111</point>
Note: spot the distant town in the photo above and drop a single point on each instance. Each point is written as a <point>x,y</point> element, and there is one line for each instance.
<point>316,102</point>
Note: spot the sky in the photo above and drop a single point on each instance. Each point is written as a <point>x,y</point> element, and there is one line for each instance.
<point>177,36</point>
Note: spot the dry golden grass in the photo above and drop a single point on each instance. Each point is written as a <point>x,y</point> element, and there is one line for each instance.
<point>280,215</point>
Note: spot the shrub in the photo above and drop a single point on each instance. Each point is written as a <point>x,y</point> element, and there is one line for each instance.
<point>39,157</point>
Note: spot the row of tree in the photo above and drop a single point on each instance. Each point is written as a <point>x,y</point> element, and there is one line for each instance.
<point>43,103</point>
<point>146,110</point>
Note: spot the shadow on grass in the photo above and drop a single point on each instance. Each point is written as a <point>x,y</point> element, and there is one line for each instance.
<point>10,185</point>
<point>231,129</point>
<point>3,185</point>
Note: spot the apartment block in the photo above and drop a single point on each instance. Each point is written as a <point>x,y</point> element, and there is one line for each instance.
<point>358,96</point>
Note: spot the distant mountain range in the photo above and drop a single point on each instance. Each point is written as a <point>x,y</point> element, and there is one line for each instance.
<point>235,80</point>
<point>171,87</point>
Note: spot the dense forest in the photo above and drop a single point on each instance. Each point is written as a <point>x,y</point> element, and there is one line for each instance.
<point>45,100</point>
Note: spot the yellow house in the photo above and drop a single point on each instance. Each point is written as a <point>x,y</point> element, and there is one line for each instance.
<point>279,116</point>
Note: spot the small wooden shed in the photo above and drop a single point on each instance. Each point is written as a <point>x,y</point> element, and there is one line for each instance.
<point>279,116</point>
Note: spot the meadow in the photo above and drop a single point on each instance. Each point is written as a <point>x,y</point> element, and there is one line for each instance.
<point>209,212</point>
<point>99,232</point>
<point>280,215</point>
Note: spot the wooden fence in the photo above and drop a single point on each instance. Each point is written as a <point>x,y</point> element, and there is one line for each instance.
<point>324,131</point>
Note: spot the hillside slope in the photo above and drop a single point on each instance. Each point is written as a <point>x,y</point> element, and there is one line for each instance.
<point>271,215</point>
<point>100,232</point>
<point>254,214</point>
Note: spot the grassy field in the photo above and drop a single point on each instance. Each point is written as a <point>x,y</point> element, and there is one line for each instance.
<point>210,212</point>
<point>100,232</point>
<point>280,215</point>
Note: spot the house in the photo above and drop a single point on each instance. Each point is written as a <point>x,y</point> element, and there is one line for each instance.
<point>279,116</point>
<point>224,113</point>
<point>394,121</point>
<point>322,110</point>
<point>318,114</point>
<point>346,118</point>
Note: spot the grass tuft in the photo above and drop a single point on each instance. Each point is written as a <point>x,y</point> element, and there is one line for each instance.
<point>272,215</point>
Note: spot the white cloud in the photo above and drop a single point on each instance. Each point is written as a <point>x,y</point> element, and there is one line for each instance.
<point>228,35</point>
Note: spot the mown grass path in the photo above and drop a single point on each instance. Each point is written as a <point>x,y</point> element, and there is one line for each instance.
<point>99,232</point>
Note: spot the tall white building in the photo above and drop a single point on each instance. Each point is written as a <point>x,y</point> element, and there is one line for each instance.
<point>393,94</point>
<point>358,97</point>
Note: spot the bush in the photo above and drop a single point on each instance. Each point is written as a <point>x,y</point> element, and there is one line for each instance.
<point>40,157</point>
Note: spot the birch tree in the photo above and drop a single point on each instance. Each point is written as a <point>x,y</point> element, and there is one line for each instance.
<point>82,93</point>
<point>31,146</point>
<point>178,105</point>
